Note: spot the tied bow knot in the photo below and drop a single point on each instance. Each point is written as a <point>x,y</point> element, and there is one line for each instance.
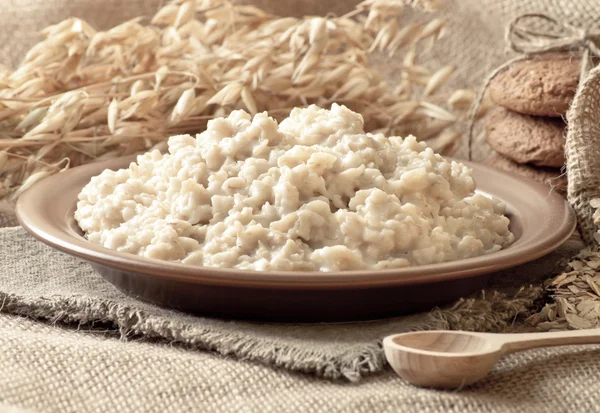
<point>557,37</point>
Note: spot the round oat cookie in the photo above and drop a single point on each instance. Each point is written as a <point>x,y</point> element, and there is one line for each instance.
<point>541,86</point>
<point>526,139</point>
<point>552,177</point>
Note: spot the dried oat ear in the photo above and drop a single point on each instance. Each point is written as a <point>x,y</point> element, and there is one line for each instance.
<point>576,293</point>
<point>85,95</point>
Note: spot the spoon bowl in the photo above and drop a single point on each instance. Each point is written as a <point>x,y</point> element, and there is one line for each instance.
<point>441,359</point>
<point>447,342</point>
<point>455,359</point>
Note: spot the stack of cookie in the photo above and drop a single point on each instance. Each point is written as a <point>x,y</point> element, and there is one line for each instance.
<point>526,129</point>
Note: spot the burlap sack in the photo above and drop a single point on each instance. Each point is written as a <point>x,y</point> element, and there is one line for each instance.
<point>583,152</point>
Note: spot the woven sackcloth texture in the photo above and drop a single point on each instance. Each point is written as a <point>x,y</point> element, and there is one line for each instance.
<point>47,368</point>
<point>42,283</point>
<point>583,152</point>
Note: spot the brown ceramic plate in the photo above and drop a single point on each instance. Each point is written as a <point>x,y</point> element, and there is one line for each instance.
<point>540,220</point>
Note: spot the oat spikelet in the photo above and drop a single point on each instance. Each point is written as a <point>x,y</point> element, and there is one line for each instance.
<point>438,79</point>
<point>83,95</point>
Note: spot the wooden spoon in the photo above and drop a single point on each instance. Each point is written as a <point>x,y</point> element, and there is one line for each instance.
<point>454,359</point>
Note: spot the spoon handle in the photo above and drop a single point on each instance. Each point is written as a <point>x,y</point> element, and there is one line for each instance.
<point>517,342</point>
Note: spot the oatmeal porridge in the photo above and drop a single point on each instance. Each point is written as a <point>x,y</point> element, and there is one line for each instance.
<point>314,192</point>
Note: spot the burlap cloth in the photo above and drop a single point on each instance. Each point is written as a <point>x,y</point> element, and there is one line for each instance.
<point>100,350</point>
<point>39,282</point>
<point>83,346</point>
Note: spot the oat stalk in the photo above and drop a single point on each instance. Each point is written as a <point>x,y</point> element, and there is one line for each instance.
<point>82,94</point>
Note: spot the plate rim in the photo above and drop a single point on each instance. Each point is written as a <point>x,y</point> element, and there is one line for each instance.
<point>430,273</point>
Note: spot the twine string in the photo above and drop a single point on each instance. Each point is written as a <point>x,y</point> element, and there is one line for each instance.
<point>521,37</point>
